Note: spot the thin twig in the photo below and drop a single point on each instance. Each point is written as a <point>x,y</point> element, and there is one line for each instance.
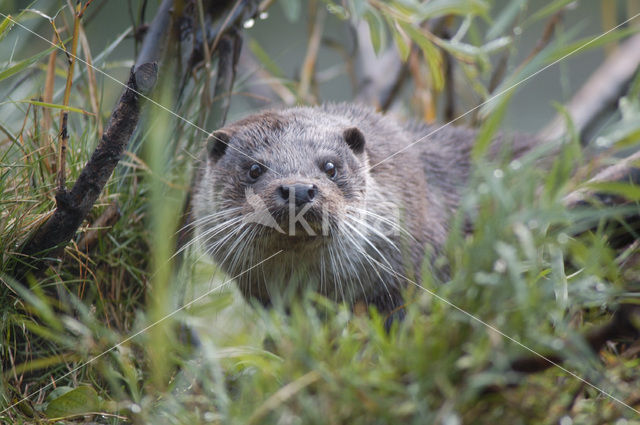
<point>547,33</point>
<point>48,98</point>
<point>110,215</point>
<point>602,89</point>
<point>92,83</point>
<point>231,16</point>
<point>205,101</point>
<point>64,115</point>
<point>313,46</point>
<point>623,170</point>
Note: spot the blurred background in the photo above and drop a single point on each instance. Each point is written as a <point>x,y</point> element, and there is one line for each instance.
<point>531,108</point>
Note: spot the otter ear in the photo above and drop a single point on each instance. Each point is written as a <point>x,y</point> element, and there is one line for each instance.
<point>217,143</point>
<point>355,139</point>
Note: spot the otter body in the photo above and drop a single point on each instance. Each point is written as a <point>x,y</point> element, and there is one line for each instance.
<point>340,196</point>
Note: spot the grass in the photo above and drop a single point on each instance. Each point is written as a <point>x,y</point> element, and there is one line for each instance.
<point>528,270</point>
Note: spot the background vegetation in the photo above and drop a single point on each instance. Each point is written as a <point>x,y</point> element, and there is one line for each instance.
<point>102,337</point>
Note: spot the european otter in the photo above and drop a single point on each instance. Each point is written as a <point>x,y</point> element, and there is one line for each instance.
<point>332,189</point>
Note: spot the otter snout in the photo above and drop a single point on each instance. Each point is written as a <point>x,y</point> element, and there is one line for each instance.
<point>302,193</point>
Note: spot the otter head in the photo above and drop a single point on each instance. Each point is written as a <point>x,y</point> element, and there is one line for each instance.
<point>274,182</point>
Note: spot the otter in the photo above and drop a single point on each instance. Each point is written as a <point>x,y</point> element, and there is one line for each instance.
<point>348,201</point>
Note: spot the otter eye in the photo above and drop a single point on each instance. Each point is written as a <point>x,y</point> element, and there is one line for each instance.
<point>330,169</point>
<point>255,170</point>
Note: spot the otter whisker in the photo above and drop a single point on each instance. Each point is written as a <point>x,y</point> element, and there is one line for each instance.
<point>394,225</point>
<point>365,256</point>
<point>241,233</point>
<point>209,218</point>
<point>322,272</point>
<point>365,239</point>
<point>216,222</point>
<point>376,231</point>
<point>210,233</point>
<point>348,275</point>
<point>355,270</point>
<point>215,247</point>
<point>337,282</point>
<point>203,238</point>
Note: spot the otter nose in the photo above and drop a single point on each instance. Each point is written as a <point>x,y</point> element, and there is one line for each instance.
<point>303,193</point>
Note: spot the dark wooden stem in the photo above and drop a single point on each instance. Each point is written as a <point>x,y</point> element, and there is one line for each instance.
<point>228,53</point>
<point>625,323</point>
<point>73,206</point>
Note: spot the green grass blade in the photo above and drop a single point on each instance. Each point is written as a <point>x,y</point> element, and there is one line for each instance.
<point>25,63</point>
<point>51,105</point>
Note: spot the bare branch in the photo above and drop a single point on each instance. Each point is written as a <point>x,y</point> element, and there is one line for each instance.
<point>156,36</point>
<point>601,90</point>
<point>98,227</point>
<point>625,170</point>
<point>623,324</point>
<point>378,73</point>
<point>73,206</point>
<point>228,54</point>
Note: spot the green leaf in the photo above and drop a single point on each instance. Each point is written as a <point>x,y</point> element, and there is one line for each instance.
<point>575,148</point>
<point>58,392</point>
<point>547,10</point>
<point>24,63</point>
<point>432,55</point>
<point>561,171</point>
<point>626,190</point>
<point>591,42</point>
<point>265,59</point>
<point>491,125</point>
<point>398,37</point>
<point>5,27</point>
<point>505,18</point>
<point>470,53</point>
<point>406,10</point>
<point>376,30</point>
<point>339,11</point>
<point>634,87</point>
<point>623,135</point>
<point>80,400</point>
<point>435,8</point>
<point>9,21</point>
<point>51,105</point>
